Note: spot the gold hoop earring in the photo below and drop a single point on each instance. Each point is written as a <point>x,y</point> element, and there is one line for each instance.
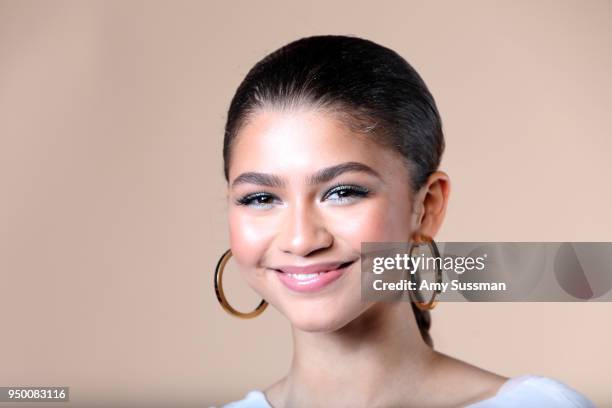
<point>221,295</point>
<point>420,238</point>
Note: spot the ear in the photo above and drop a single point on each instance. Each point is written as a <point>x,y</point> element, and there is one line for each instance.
<point>430,204</point>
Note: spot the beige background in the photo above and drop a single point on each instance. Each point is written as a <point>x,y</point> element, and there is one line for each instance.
<point>112,211</point>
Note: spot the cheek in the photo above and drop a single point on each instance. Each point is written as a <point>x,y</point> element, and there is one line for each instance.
<point>249,237</point>
<point>377,221</point>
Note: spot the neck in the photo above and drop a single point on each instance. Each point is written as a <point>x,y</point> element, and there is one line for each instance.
<point>363,361</point>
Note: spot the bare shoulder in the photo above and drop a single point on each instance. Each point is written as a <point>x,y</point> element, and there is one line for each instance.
<point>465,383</point>
<point>273,393</point>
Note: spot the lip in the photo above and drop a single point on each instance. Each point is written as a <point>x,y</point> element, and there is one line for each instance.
<point>324,274</point>
<point>315,268</point>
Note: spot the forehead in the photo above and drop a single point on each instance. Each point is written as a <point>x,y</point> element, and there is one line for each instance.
<point>302,141</point>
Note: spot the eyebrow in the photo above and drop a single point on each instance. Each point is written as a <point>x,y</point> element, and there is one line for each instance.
<point>322,176</point>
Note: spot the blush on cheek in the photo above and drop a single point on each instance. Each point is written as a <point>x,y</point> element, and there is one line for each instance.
<point>248,240</point>
<point>375,223</point>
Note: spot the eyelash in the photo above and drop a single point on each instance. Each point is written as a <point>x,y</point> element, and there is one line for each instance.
<point>356,191</point>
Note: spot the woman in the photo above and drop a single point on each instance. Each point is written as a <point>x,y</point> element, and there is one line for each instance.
<point>332,141</point>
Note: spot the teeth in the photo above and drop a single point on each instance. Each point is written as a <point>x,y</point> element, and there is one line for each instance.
<point>304,276</point>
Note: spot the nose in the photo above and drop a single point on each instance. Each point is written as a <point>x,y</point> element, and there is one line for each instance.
<point>303,231</point>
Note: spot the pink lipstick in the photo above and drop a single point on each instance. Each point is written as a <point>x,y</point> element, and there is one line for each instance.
<point>311,278</point>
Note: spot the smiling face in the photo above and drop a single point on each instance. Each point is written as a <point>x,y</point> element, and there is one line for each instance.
<point>305,190</point>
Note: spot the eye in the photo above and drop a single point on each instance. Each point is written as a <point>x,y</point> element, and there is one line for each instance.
<point>345,193</point>
<point>257,200</point>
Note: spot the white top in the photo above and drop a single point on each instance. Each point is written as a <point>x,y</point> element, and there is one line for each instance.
<point>528,391</point>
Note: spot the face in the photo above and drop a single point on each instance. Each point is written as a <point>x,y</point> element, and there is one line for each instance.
<point>304,193</point>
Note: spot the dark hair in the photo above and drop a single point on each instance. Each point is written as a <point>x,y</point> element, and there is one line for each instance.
<point>372,88</point>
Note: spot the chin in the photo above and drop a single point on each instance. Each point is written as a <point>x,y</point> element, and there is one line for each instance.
<point>316,325</point>
<point>318,319</point>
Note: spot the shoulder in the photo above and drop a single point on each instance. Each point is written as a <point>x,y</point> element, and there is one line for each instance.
<point>535,391</point>
<point>253,399</point>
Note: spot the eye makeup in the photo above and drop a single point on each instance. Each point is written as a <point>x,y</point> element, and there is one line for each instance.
<point>344,191</point>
